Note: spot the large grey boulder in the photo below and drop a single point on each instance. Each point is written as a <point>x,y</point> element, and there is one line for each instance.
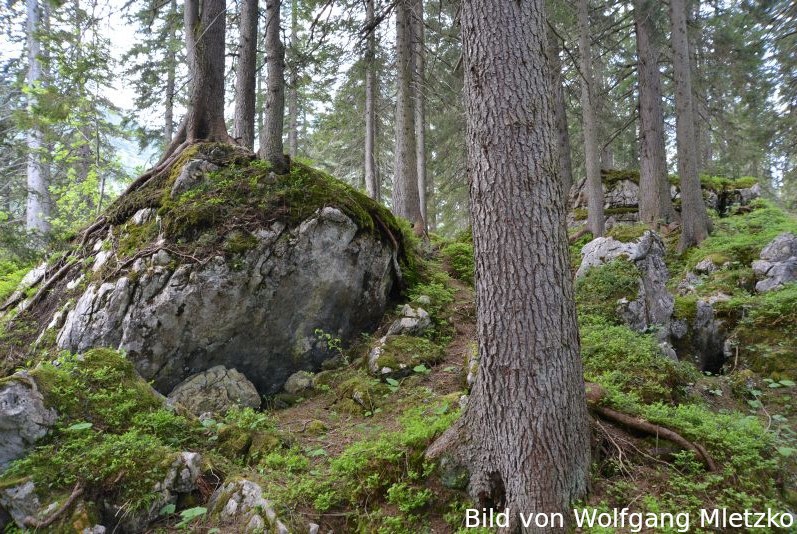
<point>258,314</point>
<point>23,417</point>
<point>778,263</point>
<point>216,390</point>
<point>654,303</point>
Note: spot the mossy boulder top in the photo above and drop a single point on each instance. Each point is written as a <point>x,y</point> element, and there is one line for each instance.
<point>218,261</point>
<point>621,195</point>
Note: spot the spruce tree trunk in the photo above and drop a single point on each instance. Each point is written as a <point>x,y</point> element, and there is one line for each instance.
<point>171,68</point>
<point>525,433</point>
<point>38,197</point>
<point>372,183</point>
<point>271,148</point>
<point>206,19</point>
<point>695,224</point>
<point>419,56</point>
<point>595,219</point>
<point>655,202</point>
<point>406,199</point>
<point>560,112</point>
<point>293,89</point>
<point>245,75</point>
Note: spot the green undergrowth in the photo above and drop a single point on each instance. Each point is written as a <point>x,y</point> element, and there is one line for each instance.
<point>630,365</point>
<point>599,289</point>
<point>11,274</point>
<point>377,483</point>
<point>740,238</point>
<point>766,337</point>
<point>111,424</point>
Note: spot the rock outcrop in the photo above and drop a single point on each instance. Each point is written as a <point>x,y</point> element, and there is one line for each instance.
<point>216,390</point>
<point>621,196</point>
<point>241,502</point>
<point>654,304</point>
<point>259,316</point>
<point>778,263</point>
<point>23,417</point>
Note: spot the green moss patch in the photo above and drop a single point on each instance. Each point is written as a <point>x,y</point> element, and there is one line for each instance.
<point>407,352</point>
<point>459,256</point>
<point>598,291</point>
<point>627,233</point>
<point>628,363</point>
<point>111,424</point>
<point>229,204</point>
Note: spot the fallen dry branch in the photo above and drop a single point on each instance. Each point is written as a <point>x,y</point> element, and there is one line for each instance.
<point>32,522</point>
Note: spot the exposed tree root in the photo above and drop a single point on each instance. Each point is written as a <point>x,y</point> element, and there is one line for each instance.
<point>594,395</point>
<point>578,235</point>
<point>32,522</point>
<point>59,274</point>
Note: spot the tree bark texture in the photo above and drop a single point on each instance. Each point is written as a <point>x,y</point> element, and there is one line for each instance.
<point>37,210</point>
<point>171,68</point>
<point>419,57</point>
<point>406,199</point>
<point>525,429</point>
<point>244,121</point>
<point>293,84</point>
<point>655,202</point>
<point>271,148</point>
<point>205,27</point>
<point>595,219</point>
<point>372,182</point>
<point>560,111</point>
<point>695,224</point>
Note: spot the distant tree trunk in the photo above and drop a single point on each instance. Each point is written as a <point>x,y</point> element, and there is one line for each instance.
<point>372,182</point>
<point>595,219</point>
<point>655,202</point>
<point>245,75</point>
<point>419,57</point>
<point>38,197</point>
<point>271,138</point>
<point>171,68</point>
<point>695,224</point>
<point>560,111</point>
<point>293,89</point>
<point>524,435</point>
<point>206,19</point>
<point>406,199</point>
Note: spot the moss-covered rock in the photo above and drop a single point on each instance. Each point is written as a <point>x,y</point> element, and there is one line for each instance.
<point>397,356</point>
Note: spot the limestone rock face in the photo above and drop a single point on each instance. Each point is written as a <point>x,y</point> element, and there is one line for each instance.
<point>258,315</point>
<point>23,417</point>
<point>654,304</point>
<point>778,263</point>
<point>215,390</point>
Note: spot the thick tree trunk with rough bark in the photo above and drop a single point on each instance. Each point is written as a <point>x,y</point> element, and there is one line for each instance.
<point>205,27</point>
<point>695,224</point>
<point>372,183</point>
<point>419,57</point>
<point>171,69</point>
<point>592,161</point>
<point>271,148</point>
<point>293,84</point>
<point>524,434</point>
<point>655,203</point>
<point>245,75</point>
<point>406,199</point>
<point>560,111</point>
<point>38,197</point>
